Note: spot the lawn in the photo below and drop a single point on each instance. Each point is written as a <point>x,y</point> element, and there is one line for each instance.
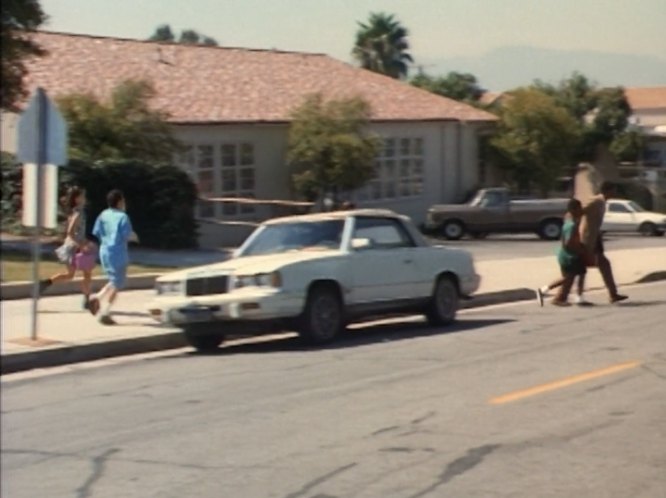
<point>17,266</point>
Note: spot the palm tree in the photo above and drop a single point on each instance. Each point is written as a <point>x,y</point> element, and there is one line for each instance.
<point>381,46</point>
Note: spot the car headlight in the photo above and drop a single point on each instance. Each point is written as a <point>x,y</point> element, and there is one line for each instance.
<point>175,287</point>
<point>273,279</point>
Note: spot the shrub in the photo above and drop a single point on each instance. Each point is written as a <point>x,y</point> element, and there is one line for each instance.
<point>160,199</point>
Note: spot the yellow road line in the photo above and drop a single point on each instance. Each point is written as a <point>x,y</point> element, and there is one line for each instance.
<point>558,384</point>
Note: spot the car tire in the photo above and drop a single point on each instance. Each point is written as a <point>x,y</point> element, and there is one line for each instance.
<point>444,302</point>
<point>453,229</point>
<point>203,337</point>
<point>323,317</point>
<point>550,229</point>
<point>648,229</point>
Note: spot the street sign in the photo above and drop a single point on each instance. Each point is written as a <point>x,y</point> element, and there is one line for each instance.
<point>42,140</point>
<point>49,194</point>
<point>41,117</point>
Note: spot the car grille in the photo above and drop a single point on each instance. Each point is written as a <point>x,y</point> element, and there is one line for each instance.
<point>207,285</point>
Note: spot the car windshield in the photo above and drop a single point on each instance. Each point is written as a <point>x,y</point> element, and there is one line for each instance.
<point>297,236</point>
<point>635,207</point>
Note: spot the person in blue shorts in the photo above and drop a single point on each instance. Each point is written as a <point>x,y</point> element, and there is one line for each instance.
<point>114,231</point>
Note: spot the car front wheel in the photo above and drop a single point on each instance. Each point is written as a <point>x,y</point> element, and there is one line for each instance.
<point>444,302</point>
<point>323,317</point>
<point>203,337</point>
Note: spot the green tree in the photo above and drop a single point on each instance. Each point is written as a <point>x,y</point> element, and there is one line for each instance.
<point>125,128</point>
<point>535,139</point>
<point>457,86</point>
<point>381,46</point>
<point>164,33</point>
<point>601,113</point>
<point>19,17</point>
<point>329,149</point>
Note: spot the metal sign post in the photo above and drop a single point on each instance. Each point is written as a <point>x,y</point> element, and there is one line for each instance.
<point>42,140</point>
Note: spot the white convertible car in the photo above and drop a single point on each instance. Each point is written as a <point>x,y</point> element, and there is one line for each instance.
<point>627,216</point>
<point>315,274</point>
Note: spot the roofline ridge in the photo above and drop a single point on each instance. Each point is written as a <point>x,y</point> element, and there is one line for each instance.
<point>173,43</point>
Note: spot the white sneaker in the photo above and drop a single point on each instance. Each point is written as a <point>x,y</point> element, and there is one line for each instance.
<point>581,301</point>
<point>539,295</point>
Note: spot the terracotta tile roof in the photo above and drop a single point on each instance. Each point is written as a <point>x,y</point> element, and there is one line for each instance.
<point>646,98</point>
<point>215,85</point>
<point>489,98</point>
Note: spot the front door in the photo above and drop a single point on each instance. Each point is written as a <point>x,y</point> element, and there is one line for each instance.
<point>383,266</point>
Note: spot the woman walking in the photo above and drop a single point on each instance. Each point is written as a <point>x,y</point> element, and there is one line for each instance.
<point>77,253</point>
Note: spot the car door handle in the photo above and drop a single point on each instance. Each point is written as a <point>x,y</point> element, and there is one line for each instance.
<point>407,261</point>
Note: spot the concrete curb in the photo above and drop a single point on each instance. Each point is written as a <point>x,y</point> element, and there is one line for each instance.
<point>76,353</point>
<point>23,290</point>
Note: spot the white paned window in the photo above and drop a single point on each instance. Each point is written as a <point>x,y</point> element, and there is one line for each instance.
<point>237,176</point>
<point>198,161</point>
<point>399,170</point>
<point>205,179</point>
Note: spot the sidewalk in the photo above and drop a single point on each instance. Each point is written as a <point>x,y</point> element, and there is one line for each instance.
<point>68,334</point>
<point>138,255</point>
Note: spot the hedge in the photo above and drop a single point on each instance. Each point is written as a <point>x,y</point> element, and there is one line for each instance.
<point>160,199</point>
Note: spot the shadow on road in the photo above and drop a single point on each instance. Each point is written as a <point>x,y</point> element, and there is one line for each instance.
<point>361,336</point>
<point>639,304</point>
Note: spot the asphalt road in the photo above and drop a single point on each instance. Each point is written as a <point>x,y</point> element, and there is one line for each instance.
<point>498,246</point>
<point>513,401</point>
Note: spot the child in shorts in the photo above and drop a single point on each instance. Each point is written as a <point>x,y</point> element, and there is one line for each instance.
<point>114,231</point>
<point>571,254</point>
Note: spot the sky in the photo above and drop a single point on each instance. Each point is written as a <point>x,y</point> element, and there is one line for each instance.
<point>486,37</point>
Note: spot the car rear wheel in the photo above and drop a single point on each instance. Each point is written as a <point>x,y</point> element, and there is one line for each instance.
<point>203,337</point>
<point>648,229</point>
<point>323,317</point>
<point>550,229</point>
<point>453,229</point>
<point>444,302</point>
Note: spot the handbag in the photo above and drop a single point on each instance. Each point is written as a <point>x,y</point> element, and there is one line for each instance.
<point>86,259</point>
<point>65,253</point>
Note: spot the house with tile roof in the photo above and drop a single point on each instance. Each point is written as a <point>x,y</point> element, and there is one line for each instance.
<point>648,107</point>
<point>231,107</point>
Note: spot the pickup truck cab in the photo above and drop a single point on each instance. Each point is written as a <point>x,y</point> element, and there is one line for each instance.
<point>493,210</point>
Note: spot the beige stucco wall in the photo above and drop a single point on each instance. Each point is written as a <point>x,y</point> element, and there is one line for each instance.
<point>450,159</point>
<point>9,122</point>
<point>649,118</point>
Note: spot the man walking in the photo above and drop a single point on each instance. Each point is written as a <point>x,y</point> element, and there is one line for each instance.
<point>113,229</point>
<point>591,237</point>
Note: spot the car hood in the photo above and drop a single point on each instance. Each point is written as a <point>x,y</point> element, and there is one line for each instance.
<point>251,265</point>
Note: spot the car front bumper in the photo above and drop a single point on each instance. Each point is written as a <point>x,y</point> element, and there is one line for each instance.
<point>469,284</point>
<point>237,306</point>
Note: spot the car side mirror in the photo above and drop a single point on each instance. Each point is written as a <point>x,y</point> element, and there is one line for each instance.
<point>360,244</point>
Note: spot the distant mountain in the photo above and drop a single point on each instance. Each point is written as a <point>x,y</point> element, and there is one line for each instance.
<point>509,67</point>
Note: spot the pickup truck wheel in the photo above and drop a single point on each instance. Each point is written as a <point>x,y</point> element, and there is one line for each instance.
<point>444,302</point>
<point>453,229</point>
<point>648,228</point>
<point>323,317</point>
<point>550,229</point>
<point>203,337</point>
